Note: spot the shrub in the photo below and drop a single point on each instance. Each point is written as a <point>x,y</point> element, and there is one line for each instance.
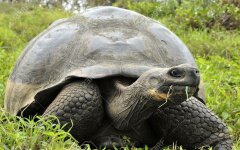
<point>198,14</point>
<point>206,14</point>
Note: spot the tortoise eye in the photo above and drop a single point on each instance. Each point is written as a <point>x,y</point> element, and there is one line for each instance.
<point>176,73</point>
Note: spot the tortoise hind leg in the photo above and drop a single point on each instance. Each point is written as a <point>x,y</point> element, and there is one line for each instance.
<point>192,125</point>
<point>81,103</point>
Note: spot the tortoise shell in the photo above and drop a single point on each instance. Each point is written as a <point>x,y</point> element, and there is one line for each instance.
<point>101,42</point>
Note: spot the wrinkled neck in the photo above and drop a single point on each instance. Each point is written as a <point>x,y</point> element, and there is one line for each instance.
<point>129,108</point>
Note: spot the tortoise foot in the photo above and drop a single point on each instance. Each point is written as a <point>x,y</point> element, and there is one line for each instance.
<point>78,105</point>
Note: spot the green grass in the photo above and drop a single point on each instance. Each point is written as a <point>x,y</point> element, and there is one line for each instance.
<point>19,133</point>
<point>216,51</point>
<point>221,81</point>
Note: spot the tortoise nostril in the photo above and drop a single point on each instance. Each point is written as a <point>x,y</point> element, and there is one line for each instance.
<point>176,73</point>
<point>196,72</point>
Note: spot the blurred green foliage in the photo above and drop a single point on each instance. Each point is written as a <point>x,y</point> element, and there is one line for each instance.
<point>19,23</point>
<point>211,31</point>
<point>198,14</point>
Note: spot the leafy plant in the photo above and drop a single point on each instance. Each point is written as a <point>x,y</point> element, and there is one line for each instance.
<point>199,14</point>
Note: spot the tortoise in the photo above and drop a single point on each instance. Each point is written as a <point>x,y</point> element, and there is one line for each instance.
<point>121,78</point>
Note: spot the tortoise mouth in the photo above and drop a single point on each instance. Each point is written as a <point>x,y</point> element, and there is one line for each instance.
<point>178,93</point>
<point>173,93</point>
<point>177,89</point>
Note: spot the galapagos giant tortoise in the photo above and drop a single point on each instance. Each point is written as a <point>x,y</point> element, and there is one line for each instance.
<point>115,73</point>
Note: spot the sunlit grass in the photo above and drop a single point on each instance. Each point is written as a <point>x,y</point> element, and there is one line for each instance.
<point>19,133</point>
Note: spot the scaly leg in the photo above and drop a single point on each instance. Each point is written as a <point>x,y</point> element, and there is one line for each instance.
<point>80,103</point>
<point>192,125</point>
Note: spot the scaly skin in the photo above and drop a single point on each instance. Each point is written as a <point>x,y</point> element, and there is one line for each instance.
<point>192,125</point>
<point>80,102</point>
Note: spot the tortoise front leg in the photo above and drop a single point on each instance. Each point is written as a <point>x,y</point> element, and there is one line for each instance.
<point>81,103</point>
<point>192,125</point>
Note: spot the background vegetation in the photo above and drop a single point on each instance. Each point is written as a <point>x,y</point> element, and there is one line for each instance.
<point>210,29</point>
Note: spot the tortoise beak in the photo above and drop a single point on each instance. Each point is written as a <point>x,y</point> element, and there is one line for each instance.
<point>180,83</point>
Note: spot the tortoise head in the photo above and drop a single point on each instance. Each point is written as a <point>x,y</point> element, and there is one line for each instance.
<point>156,88</point>
<point>173,85</point>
